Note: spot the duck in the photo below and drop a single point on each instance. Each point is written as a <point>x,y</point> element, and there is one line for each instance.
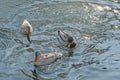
<point>26,29</point>
<point>66,39</point>
<point>46,58</point>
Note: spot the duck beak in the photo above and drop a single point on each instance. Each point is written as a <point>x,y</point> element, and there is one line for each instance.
<point>69,44</point>
<point>36,58</point>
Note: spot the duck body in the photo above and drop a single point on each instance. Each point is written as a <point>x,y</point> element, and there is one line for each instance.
<point>45,59</point>
<point>26,28</point>
<point>66,40</point>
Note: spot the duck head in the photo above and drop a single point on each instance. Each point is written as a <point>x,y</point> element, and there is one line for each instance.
<point>37,55</point>
<point>71,43</point>
<point>66,39</point>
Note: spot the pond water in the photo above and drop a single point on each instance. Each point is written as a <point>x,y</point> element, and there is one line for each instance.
<point>94,23</point>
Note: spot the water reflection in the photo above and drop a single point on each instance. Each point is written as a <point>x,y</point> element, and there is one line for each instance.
<point>95,25</point>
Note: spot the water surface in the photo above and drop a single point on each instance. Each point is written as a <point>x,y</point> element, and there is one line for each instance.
<point>94,23</point>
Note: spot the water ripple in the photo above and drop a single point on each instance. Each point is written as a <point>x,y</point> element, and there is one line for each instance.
<point>94,24</point>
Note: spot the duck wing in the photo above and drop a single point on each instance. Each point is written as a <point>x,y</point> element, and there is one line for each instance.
<point>46,59</point>
<point>62,37</point>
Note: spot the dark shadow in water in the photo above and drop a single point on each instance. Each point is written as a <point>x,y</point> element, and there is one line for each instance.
<point>28,45</point>
<point>37,75</point>
<point>34,74</point>
<point>29,75</point>
<point>20,42</point>
<point>70,53</point>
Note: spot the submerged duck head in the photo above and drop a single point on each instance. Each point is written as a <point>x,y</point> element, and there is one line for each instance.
<point>71,43</point>
<point>37,54</point>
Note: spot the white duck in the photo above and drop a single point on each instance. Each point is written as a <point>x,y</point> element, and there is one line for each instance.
<point>45,59</point>
<point>66,39</point>
<point>26,29</point>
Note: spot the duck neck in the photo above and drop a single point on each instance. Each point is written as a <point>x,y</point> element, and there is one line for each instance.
<point>28,38</point>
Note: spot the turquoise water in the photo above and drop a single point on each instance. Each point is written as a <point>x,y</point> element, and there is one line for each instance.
<point>94,23</point>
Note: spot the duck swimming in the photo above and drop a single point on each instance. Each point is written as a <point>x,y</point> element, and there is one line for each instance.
<point>66,39</point>
<point>45,59</point>
<point>26,29</point>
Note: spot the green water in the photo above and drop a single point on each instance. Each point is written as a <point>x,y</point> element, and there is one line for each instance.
<point>94,23</point>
